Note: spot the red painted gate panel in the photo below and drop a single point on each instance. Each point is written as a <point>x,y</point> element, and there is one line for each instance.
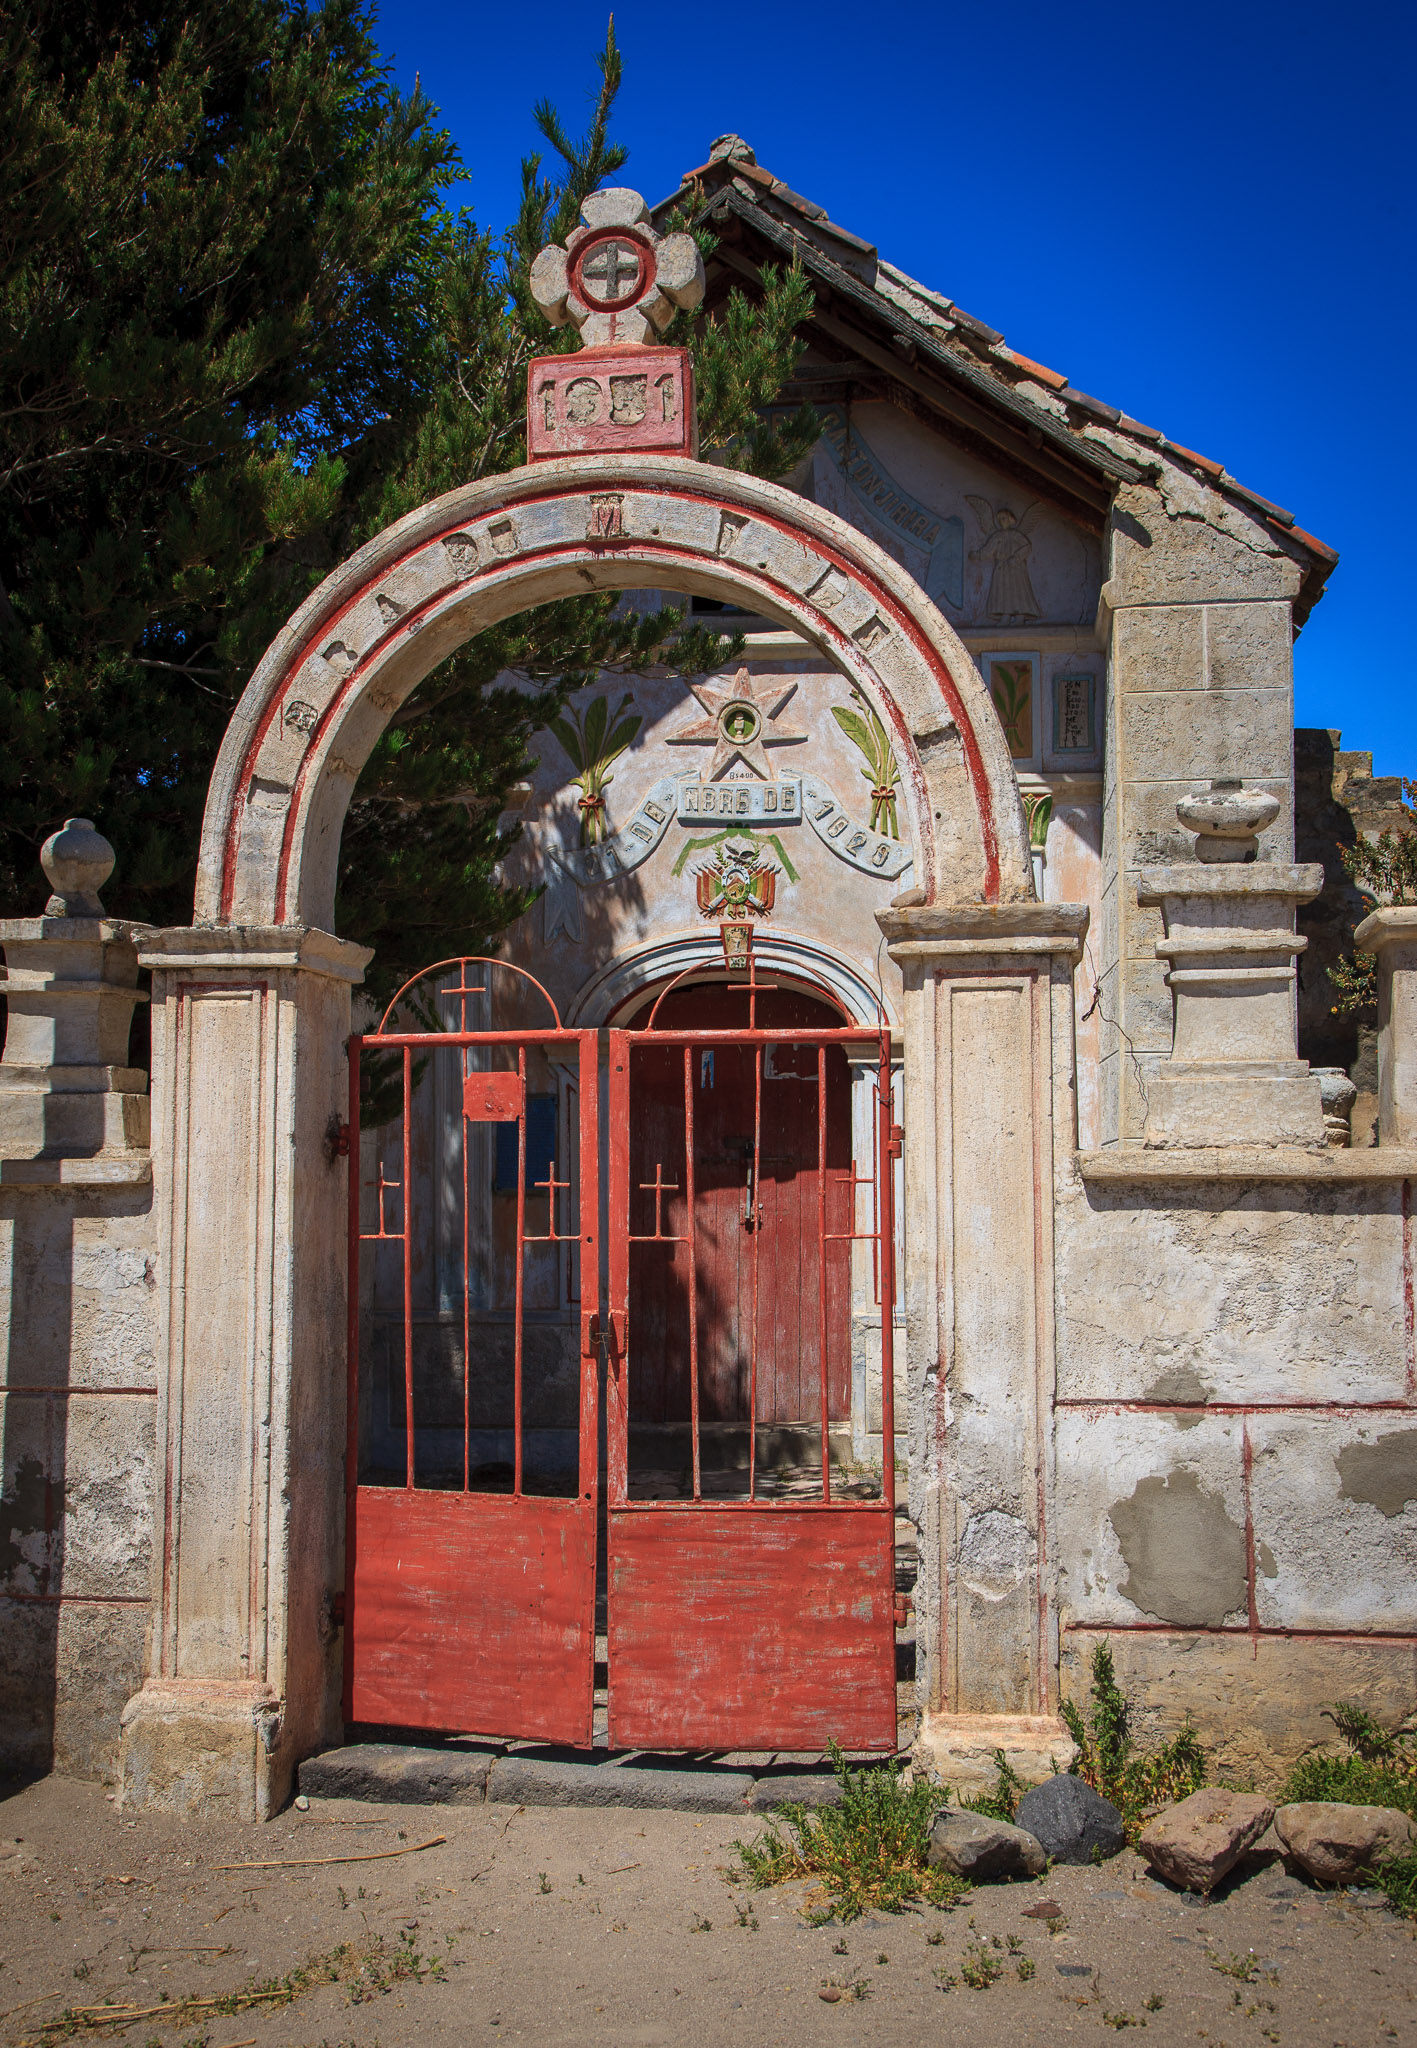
<point>765,1620</point>
<point>470,1594</point>
<point>474,1612</point>
<point>752,1627</point>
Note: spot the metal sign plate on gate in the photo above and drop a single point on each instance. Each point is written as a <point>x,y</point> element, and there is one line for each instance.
<point>492,1098</point>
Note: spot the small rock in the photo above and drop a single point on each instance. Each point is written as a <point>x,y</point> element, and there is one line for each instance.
<point>1194,1843</point>
<point>302,1804</point>
<point>974,1846</point>
<point>1337,1843</point>
<point>1043,1909</point>
<point>1071,1820</point>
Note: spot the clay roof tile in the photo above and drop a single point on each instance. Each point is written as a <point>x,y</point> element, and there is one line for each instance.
<point>1215,469</point>
<point>1039,371</point>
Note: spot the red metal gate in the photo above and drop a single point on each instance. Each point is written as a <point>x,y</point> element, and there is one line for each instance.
<point>744,1616</point>
<point>470,1596</point>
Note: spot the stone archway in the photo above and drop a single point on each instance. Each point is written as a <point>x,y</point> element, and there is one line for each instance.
<point>252,1007</point>
<point>365,639</point>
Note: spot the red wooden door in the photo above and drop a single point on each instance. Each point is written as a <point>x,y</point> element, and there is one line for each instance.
<point>743,1613</point>
<point>767,1293</point>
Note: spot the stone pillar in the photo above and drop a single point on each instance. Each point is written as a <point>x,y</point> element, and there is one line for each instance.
<point>1233,1076</point>
<point>1198,610</point>
<point>989,1072</point>
<point>1392,936</point>
<point>76,1344</point>
<point>250,1084</point>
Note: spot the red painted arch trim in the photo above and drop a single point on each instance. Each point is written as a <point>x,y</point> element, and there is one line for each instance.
<point>839,558</point>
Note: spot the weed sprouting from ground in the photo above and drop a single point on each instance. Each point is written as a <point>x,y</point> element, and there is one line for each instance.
<point>871,1851</point>
<point>365,1972</point>
<point>1138,1786</point>
<point>1380,1769</point>
<point>1398,1878</point>
<point>1002,1802</point>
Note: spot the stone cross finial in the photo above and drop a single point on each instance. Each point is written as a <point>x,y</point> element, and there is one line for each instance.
<point>616,280</point>
<point>77,861</point>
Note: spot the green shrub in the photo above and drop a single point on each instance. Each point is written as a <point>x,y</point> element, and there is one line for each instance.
<point>1002,1802</point>
<point>871,1851</point>
<point>1138,1786</point>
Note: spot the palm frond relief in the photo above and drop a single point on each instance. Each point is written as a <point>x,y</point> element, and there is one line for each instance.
<point>594,738</point>
<point>865,731</point>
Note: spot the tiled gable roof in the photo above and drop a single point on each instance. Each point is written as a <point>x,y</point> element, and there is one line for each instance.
<point>875,322</point>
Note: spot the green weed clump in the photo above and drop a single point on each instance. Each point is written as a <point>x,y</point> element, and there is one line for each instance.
<point>1002,1802</point>
<point>1138,1786</point>
<point>1379,1769</point>
<point>870,1852</point>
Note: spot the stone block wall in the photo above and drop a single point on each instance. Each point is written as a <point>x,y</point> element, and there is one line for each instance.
<point>77,1412</point>
<point>1236,1446</point>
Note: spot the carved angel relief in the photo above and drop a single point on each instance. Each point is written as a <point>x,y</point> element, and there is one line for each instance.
<point>1007,545</point>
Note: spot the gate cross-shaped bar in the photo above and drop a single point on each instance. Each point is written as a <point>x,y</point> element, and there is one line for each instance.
<point>659,1187</point>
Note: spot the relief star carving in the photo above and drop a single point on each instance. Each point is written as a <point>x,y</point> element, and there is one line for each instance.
<point>740,721</point>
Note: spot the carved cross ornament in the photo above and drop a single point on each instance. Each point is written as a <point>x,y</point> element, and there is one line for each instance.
<point>617,283</point>
<point>616,280</point>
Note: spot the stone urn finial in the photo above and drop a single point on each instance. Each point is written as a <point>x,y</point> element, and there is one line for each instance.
<point>77,860</point>
<point>1227,819</point>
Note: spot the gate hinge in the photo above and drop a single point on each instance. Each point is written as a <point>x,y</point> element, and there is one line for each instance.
<point>342,1140</point>
<point>336,1139</point>
<point>904,1608</point>
<point>897,1141</point>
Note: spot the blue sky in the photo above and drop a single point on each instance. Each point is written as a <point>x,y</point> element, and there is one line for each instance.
<point>1202,213</point>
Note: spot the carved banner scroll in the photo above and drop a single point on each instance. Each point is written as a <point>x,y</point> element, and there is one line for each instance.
<point>633,843</point>
<point>848,840</point>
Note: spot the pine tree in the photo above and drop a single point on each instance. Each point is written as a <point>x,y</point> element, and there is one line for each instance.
<point>242,328</point>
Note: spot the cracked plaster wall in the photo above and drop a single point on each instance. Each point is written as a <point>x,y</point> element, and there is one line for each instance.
<point>1236,1455</point>
<point>77,1336</point>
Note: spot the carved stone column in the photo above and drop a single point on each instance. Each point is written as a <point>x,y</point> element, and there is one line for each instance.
<point>76,1297</point>
<point>1233,1076</point>
<point>243,1674</point>
<point>990,1080</point>
<point>1392,936</point>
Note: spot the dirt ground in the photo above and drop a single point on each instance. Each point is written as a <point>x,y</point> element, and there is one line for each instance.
<point>559,1926</point>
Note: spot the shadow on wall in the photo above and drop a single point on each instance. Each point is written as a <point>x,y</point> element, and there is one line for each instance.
<point>35,1454</point>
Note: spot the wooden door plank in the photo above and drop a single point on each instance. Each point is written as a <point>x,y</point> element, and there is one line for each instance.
<point>752,1627</point>
<point>474,1613</point>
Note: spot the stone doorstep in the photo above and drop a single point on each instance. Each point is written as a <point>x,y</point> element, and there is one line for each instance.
<point>394,1774</point>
